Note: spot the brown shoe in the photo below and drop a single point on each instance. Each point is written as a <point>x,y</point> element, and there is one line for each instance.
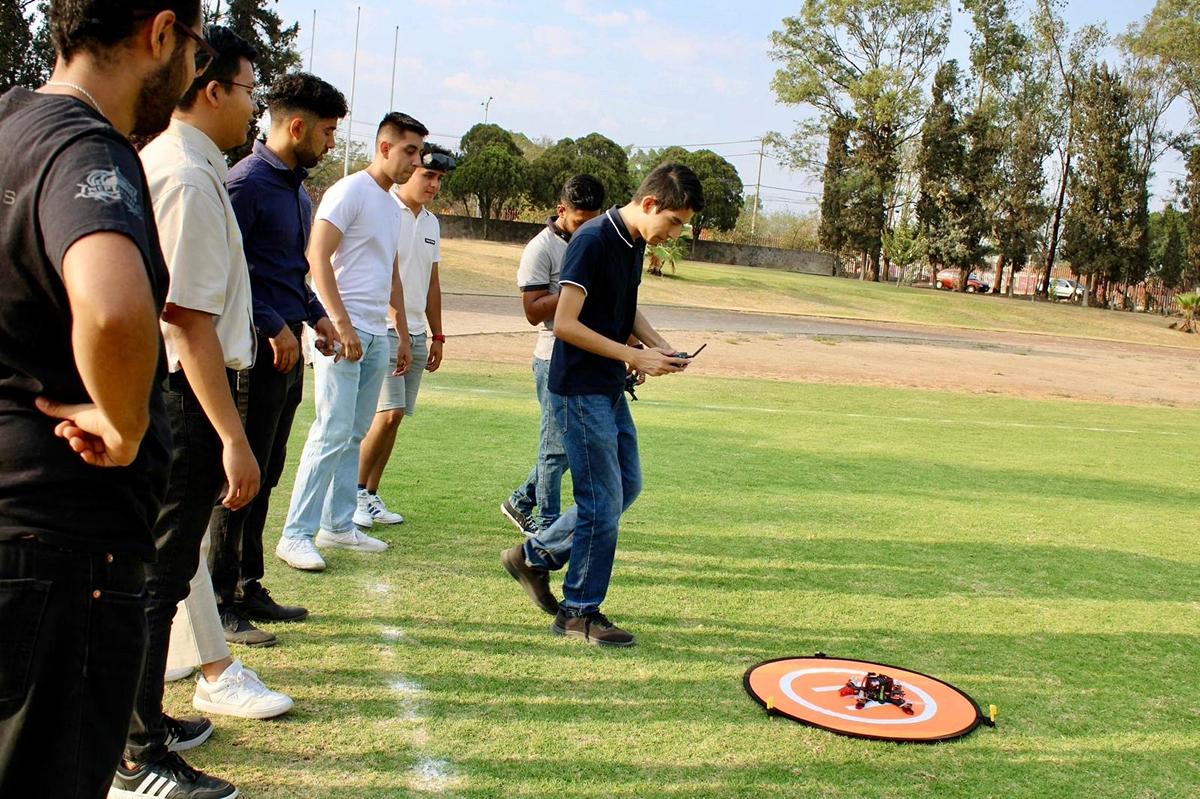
<point>595,628</point>
<point>536,582</point>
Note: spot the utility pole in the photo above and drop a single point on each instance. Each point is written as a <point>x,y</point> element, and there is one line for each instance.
<point>486,105</point>
<point>757,188</point>
<point>353,83</point>
<point>395,51</point>
<point>312,44</point>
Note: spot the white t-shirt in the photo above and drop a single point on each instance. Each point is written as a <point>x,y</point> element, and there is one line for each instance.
<point>362,264</point>
<point>420,249</point>
<point>200,238</point>
<point>541,266</point>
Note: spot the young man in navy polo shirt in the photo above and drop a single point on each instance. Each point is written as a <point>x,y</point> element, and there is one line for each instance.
<point>597,312</point>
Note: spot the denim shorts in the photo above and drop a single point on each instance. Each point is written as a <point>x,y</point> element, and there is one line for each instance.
<point>400,393</point>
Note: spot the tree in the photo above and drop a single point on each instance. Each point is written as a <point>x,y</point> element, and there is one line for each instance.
<point>940,166</point>
<point>593,154</point>
<point>998,47</point>
<point>904,245</point>
<point>1069,64</point>
<point>1168,247</point>
<point>255,22</point>
<point>863,61</point>
<point>1021,213</point>
<point>1171,37</point>
<point>16,33</point>
<point>492,171</point>
<point>832,234</point>
<point>329,170</point>
<point>1105,229</point>
<point>722,187</point>
<point>1191,188</point>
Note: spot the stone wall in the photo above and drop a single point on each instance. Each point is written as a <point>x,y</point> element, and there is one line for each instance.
<point>713,252</point>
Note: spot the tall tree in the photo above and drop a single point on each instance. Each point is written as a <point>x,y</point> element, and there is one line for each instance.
<point>1168,247</point>
<point>492,171</point>
<point>593,154</point>
<point>940,166</point>
<point>256,22</point>
<point>1105,229</point>
<point>1191,196</point>
<point>864,61</point>
<point>1171,37</point>
<point>832,234</point>
<point>998,47</point>
<point>1021,213</point>
<point>722,187</point>
<point>1070,60</point>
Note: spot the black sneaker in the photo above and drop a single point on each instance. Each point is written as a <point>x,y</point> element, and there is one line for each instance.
<point>536,582</point>
<point>169,778</point>
<point>258,605</point>
<point>595,628</point>
<point>522,522</point>
<point>240,631</point>
<point>185,734</point>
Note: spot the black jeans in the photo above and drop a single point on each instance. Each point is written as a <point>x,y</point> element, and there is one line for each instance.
<point>235,556</point>
<point>72,641</point>
<point>197,475</point>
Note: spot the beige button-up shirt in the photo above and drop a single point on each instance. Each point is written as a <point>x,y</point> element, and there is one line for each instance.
<point>200,238</point>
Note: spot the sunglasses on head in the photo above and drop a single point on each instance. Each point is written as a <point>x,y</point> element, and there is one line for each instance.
<point>438,161</point>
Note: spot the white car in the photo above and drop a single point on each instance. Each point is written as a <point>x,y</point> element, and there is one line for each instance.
<point>1063,289</point>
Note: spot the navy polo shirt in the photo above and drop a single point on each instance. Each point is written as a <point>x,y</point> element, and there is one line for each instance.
<point>604,260</point>
<point>274,213</point>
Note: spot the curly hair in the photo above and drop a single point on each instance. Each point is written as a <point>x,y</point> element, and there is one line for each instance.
<point>300,92</point>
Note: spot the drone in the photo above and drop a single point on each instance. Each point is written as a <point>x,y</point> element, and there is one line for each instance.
<point>877,688</point>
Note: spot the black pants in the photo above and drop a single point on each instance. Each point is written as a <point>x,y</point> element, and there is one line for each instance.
<point>235,556</point>
<point>72,641</point>
<point>194,487</point>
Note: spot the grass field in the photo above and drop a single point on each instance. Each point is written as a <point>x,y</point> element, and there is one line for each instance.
<point>487,267</point>
<point>1049,566</point>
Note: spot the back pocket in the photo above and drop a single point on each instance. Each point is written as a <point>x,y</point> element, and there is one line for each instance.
<point>22,604</point>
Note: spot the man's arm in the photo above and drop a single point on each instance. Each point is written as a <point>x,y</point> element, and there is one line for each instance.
<point>194,335</point>
<point>567,327</point>
<point>325,240</point>
<point>433,312</point>
<point>115,337</point>
<point>646,334</point>
<point>539,305</point>
<point>404,355</point>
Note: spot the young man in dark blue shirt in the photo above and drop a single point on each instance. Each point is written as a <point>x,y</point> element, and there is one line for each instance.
<point>597,312</point>
<point>274,213</point>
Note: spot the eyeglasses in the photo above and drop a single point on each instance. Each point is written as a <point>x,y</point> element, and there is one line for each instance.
<point>438,161</point>
<point>205,53</point>
<point>245,86</point>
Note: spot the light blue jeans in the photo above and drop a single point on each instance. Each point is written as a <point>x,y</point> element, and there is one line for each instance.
<point>543,486</point>
<point>327,480</point>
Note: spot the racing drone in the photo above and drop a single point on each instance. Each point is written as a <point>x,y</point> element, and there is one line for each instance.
<point>877,688</point>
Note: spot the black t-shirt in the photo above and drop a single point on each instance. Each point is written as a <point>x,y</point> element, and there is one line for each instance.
<point>606,262</point>
<point>68,174</point>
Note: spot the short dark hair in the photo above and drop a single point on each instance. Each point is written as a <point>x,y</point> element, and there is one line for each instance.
<point>674,186</point>
<point>231,49</point>
<point>401,123</point>
<point>301,92</point>
<point>97,26</point>
<point>583,192</point>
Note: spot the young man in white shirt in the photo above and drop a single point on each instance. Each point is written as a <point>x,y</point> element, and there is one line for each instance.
<point>420,253</point>
<point>353,258</point>
<point>208,330</point>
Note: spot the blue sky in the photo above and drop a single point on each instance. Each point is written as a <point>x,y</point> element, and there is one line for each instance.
<point>649,73</point>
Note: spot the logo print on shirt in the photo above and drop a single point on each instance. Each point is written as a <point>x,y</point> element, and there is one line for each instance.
<point>430,241</point>
<point>109,186</point>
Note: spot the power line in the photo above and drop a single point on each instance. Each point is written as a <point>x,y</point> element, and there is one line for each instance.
<point>699,144</point>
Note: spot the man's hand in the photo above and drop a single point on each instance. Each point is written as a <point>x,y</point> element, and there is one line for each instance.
<point>435,357</point>
<point>241,473</point>
<point>638,377</point>
<point>90,433</point>
<point>403,354</point>
<point>325,336</point>
<point>351,345</point>
<point>286,348</point>
<point>657,361</point>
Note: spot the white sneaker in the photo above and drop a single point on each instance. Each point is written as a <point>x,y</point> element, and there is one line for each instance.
<point>362,512</point>
<point>239,692</point>
<point>380,513</point>
<point>353,540</point>
<point>299,553</point>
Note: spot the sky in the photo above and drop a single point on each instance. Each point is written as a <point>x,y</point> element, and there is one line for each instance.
<point>647,74</point>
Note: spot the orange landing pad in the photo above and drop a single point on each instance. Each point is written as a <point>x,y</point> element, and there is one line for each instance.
<point>806,689</point>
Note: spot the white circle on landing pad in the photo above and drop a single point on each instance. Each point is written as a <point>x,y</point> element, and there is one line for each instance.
<point>785,685</point>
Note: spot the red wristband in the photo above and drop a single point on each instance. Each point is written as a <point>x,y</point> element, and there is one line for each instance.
<point>439,338</point>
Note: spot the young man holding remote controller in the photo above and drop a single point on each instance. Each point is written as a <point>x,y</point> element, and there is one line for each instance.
<point>596,314</point>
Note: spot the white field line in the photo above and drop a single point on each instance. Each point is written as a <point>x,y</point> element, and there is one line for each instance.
<point>846,415</point>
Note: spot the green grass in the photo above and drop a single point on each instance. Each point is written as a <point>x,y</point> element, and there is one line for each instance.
<point>489,268</point>
<point>1039,555</point>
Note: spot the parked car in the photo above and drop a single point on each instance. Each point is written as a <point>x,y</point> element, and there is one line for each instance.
<point>1063,289</point>
<point>948,279</point>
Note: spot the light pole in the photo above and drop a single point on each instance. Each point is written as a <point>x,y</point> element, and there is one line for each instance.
<point>486,105</point>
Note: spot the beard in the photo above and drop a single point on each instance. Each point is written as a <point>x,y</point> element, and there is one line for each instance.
<point>159,94</point>
<point>308,155</point>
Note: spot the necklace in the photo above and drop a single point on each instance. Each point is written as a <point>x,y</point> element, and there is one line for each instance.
<point>82,91</point>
